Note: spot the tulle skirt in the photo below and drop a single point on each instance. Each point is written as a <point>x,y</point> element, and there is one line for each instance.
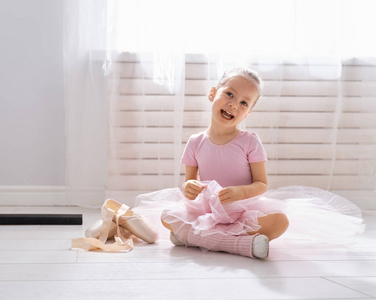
<point>313,213</point>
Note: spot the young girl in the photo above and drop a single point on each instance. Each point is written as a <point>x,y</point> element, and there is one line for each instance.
<point>228,206</point>
<point>235,159</point>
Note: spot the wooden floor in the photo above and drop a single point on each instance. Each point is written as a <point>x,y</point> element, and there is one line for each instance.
<point>36,263</point>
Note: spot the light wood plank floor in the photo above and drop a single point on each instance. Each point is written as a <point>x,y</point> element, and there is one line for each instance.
<point>36,263</point>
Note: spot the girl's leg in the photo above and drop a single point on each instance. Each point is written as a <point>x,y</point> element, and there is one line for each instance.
<point>179,230</point>
<point>168,226</point>
<point>252,245</point>
<point>272,225</point>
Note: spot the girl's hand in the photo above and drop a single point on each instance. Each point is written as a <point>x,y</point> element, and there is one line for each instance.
<point>231,193</point>
<point>191,189</point>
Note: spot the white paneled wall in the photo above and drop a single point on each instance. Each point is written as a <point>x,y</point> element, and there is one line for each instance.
<point>296,118</point>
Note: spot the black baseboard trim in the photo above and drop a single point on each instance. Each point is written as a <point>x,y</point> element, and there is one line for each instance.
<point>40,219</point>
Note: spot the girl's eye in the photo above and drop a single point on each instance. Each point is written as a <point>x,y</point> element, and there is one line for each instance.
<point>244,103</point>
<point>229,94</point>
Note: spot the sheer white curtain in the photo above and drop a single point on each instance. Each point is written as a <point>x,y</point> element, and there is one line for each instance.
<point>85,88</point>
<point>308,53</point>
<point>147,90</point>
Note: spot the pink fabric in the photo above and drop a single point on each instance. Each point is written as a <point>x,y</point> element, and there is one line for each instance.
<point>227,164</point>
<point>206,215</point>
<point>241,245</point>
<point>314,214</point>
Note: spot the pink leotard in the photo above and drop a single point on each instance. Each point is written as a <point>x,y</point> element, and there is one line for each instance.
<point>227,164</point>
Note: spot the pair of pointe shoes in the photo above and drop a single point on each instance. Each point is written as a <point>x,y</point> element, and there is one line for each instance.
<point>120,221</point>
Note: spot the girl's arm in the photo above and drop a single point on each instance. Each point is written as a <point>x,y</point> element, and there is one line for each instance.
<point>257,187</point>
<point>191,187</point>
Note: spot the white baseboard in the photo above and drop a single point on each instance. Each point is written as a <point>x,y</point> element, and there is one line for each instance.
<point>32,195</point>
<point>50,196</point>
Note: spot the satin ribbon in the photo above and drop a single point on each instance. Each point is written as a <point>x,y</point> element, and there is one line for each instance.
<point>123,241</point>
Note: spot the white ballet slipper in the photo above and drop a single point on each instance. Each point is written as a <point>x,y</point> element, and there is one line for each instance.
<point>175,240</point>
<point>124,217</point>
<point>260,246</point>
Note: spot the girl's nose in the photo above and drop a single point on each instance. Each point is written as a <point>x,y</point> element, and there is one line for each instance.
<point>232,105</point>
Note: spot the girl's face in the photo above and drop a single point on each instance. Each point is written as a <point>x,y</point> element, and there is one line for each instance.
<point>233,101</point>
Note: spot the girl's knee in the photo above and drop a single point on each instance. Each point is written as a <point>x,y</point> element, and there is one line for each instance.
<point>273,225</point>
<point>282,221</point>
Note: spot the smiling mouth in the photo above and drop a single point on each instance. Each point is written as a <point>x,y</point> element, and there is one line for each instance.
<point>226,115</point>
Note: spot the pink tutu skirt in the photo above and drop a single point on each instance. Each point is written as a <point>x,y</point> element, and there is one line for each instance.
<point>313,213</point>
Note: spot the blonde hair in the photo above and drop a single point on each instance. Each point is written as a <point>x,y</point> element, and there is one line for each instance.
<point>248,74</point>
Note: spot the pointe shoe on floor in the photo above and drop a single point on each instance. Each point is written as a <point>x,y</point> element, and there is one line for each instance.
<point>93,231</point>
<point>93,240</point>
<point>124,217</point>
<point>260,246</point>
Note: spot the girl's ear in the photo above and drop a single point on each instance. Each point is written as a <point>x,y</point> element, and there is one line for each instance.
<point>212,94</point>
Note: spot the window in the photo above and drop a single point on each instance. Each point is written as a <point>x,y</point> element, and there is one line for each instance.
<point>244,27</point>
